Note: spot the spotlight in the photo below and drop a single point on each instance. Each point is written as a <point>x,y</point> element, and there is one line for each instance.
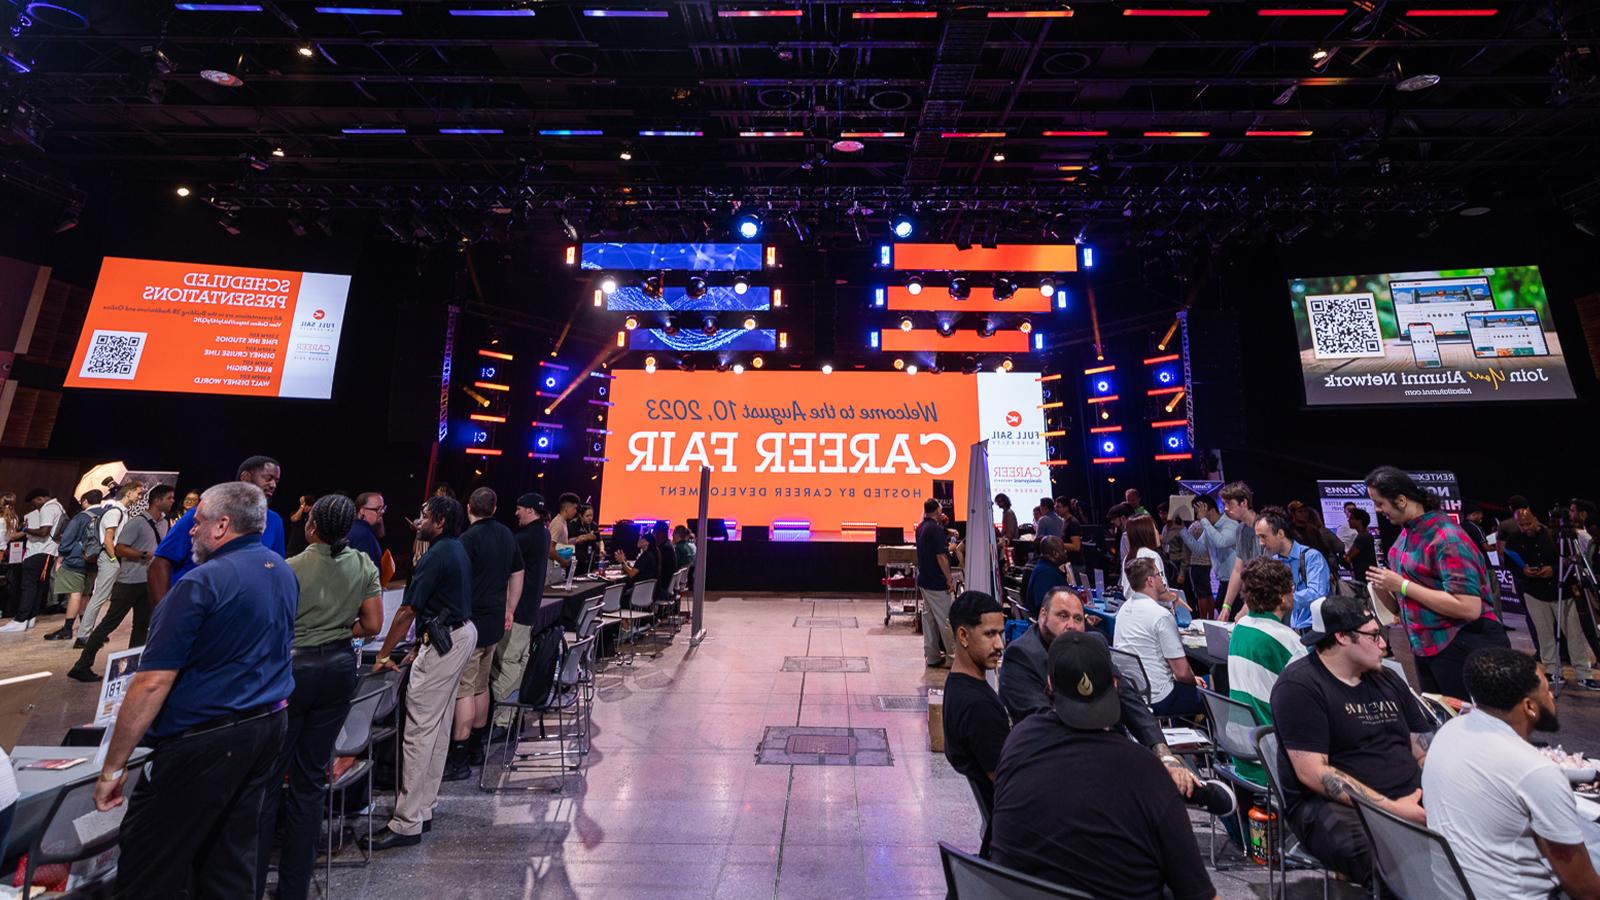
<point>749,323</point>
<point>947,327</point>
<point>738,368</point>
<point>305,50</point>
<point>278,152</point>
<point>183,191</point>
<point>757,362</point>
<point>630,323</point>
<point>1417,83</point>
<point>652,287</point>
<point>649,362</point>
<point>222,78</point>
<point>608,284</point>
<point>960,289</point>
<point>1047,287</point>
<point>709,325</point>
<point>986,328</point>
<point>1319,55</point>
<point>914,285</point>
<point>911,369</point>
<point>649,368</point>
<point>696,288</point>
<point>1006,364</point>
<point>999,156</point>
<point>827,368</point>
<point>1004,288</point>
<point>747,226</point>
<point>899,363</point>
<point>902,226</point>
<point>543,442</point>
<point>906,324</point>
<point>626,154</point>
<point>741,285</point>
<point>1026,327</point>
<point>670,325</point>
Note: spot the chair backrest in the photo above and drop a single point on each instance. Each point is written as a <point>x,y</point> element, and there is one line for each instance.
<point>984,807</point>
<point>1415,862</point>
<point>611,601</point>
<point>1394,666</point>
<point>1231,725</point>
<point>642,595</point>
<point>1131,667</point>
<point>389,680</point>
<point>572,662</point>
<point>356,732</point>
<point>74,829</point>
<point>971,878</point>
<point>1266,740</point>
<point>589,619</point>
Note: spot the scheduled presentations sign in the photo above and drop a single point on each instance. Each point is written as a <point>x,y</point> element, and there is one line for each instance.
<point>196,328</point>
<point>858,447</point>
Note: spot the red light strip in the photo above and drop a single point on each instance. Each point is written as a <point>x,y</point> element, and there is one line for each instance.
<point>491,386</point>
<point>1173,457</point>
<point>953,135</point>
<point>483,451</point>
<point>1161,359</point>
<point>495,354</point>
<point>771,134</point>
<point>1303,13</point>
<point>479,417</point>
<point>872,134</point>
<point>1076,133</point>
<point>1097,371</point>
<point>1277,134</point>
<point>1170,423</point>
<point>759,13</point>
<point>1167,13</point>
<point>930,14</point>
<point>1031,14</point>
<point>1157,392</point>
<point>1051,434</point>
<point>1105,429</point>
<point>1053,462</point>
<point>1105,460</point>
<point>1481,13</point>
<point>1106,399</point>
<point>1177,134</point>
<point>1044,378</point>
<point>1052,405</point>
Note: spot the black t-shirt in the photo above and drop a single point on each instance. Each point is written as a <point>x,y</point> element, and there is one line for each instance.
<point>1364,730</point>
<point>975,729</point>
<point>1093,811</point>
<point>1366,554</point>
<point>1071,529</point>
<point>533,542</point>
<point>1537,548</point>
<point>647,566</point>
<point>932,542</point>
<point>493,553</point>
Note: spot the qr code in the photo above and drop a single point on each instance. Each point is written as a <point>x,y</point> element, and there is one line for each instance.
<point>1344,326</point>
<point>113,354</point>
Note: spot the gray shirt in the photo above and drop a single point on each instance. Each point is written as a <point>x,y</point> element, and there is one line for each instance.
<point>139,534</point>
<point>1049,525</point>
<point>1247,546</point>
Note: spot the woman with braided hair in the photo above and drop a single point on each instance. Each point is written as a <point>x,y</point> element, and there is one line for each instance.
<point>339,600</point>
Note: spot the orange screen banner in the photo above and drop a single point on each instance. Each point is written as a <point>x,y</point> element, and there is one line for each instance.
<point>981,299</point>
<point>960,341</point>
<point>208,329</point>
<point>862,447</point>
<point>1004,258</point>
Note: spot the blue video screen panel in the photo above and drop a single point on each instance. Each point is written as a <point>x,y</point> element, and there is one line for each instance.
<point>676,299</point>
<point>695,341</point>
<point>672,257</point>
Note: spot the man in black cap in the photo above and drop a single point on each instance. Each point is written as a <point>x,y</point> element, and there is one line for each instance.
<point>1121,830</point>
<point>533,541</point>
<point>1346,726</point>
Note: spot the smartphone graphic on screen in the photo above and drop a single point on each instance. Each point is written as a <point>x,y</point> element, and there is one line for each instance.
<point>1424,346</point>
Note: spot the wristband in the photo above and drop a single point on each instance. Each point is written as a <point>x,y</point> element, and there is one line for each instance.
<point>1404,584</point>
<point>113,775</point>
<point>1170,760</point>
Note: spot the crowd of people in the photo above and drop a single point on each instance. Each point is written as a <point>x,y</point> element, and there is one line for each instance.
<point>1306,656</point>
<point>250,628</point>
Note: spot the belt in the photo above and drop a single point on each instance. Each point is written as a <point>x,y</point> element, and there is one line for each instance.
<point>339,645</point>
<point>238,717</point>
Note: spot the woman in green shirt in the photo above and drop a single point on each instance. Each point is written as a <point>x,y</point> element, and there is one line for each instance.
<point>339,600</point>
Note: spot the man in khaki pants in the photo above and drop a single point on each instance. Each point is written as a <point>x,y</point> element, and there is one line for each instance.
<point>440,589</point>
<point>511,657</point>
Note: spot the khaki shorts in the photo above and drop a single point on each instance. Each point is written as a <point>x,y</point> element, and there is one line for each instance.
<point>475,677</point>
<point>67,581</point>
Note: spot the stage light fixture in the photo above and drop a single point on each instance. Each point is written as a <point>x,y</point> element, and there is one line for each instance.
<point>1047,287</point>
<point>650,362</point>
<point>947,327</point>
<point>747,226</point>
<point>1319,55</point>
<point>669,325</point>
<point>608,284</point>
<point>182,191</point>
<point>738,368</point>
<point>1004,288</point>
<point>906,324</point>
<point>827,369</point>
<point>278,152</point>
<point>630,323</point>
<point>696,288</point>
<point>741,285</point>
<point>1006,364</point>
<point>305,50</point>
<point>899,363</point>
<point>1026,327</point>
<point>986,328</point>
<point>652,286</point>
<point>649,369</point>
<point>709,325</point>
<point>902,226</point>
<point>627,153</point>
<point>914,285</point>
<point>998,156</point>
<point>749,323</point>
<point>911,369</point>
<point>960,288</point>
<point>757,362</point>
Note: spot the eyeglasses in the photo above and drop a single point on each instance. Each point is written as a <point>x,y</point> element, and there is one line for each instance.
<point>377,509</point>
<point>1377,636</point>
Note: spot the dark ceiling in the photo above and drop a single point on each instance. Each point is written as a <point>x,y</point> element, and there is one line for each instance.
<point>1512,119</point>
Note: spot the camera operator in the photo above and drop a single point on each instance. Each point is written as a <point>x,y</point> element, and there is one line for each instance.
<point>1585,523</point>
<point>1535,561</point>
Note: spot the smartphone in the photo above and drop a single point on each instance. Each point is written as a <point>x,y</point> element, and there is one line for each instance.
<point>1424,346</point>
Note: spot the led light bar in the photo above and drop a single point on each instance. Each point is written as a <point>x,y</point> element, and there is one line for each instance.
<point>1107,460</point>
<point>759,13</point>
<point>358,11</point>
<point>1257,133</point>
<point>625,13</point>
<point>955,135</point>
<point>480,417</point>
<point>1177,134</point>
<point>1157,392</point>
<point>483,451</point>
<point>921,14</point>
<point>1106,399</point>
<point>496,354</point>
<point>1157,360</point>
<point>1167,13</point>
<point>1303,13</point>
<point>492,13</point>
<point>491,386</point>
<point>374,130</point>
<point>1478,13</point>
<point>1030,14</point>
<point>1173,457</point>
<point>472,131</point>
<point>672,134</point>
<point>1076,133</point>
<point>1099,369</point>
<point>1171,423</point>
<point>872,134</point>
<point>217,7</point>
<point>1053,462</point>
<point>570,132</point>
<point>1106,429</point>
<point>771,134</point>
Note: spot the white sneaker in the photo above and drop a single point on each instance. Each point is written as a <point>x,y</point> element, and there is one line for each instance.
<point>16,625</point>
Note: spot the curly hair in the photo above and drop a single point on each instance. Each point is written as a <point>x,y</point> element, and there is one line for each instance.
<point>1266,581</point>
<point>1499,678</point>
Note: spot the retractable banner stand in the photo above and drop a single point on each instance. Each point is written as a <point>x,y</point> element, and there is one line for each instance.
<point>1332,495</point>
<point>980,565</point>
<point>697,608</point>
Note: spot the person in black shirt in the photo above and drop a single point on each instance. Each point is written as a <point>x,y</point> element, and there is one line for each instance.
<point>645,566</point>
<point>1119,829</point>
<point>1363,552</point>
<point>585,537</point>
<point>1533,557</point>
<point>1346,725</point>
<point>933,581</point>
<point>666,564</point>
<point>497,576</point>
<point>511,655</point>
<point>975,724</point>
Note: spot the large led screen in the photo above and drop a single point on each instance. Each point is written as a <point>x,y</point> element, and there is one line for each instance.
<point>859,447</point>
<point>1448,336</point>
<point>206,329</point>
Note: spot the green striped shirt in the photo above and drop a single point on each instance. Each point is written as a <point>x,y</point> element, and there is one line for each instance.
<point>1260,647</point>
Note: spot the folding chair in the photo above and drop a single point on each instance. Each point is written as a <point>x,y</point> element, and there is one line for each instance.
<point>971,878</point>
<point>566,703</point>
<point>74,830</point>
<point>355,741</point>
<point>1131,667</point>
<point>627,616</point>
<point>1231,724</point>
<point>1265,739</point>
<point>1415,862</point>
<point>387,711</point>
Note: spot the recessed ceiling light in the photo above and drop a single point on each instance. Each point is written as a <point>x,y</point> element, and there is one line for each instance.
<point>183,191</point>
<point>999,156</point>
<point>1418,83</point>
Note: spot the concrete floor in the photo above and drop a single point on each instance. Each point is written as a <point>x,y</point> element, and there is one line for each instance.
<point>672,802</point>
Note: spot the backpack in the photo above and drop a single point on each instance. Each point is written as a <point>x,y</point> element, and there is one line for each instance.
<point>544,662</point>
<point>94,536</point>
<point>72,535</point>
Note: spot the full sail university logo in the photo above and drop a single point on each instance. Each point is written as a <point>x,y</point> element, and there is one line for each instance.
<point>318,315</point>
<point>1013,419</point>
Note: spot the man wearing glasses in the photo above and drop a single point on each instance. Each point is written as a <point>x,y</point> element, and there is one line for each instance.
<point>1347,725</point>
<point>366,533</point>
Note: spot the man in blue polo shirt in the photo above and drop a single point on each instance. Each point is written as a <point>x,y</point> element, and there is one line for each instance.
<point>1307,567</point>
<point>366,532</point>
<point>173,558</point>
<point>210,695</point>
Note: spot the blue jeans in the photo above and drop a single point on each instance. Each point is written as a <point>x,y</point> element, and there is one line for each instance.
<point>1183,701</point>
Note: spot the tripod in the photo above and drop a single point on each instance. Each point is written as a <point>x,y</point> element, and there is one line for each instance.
<point>1575,581</point>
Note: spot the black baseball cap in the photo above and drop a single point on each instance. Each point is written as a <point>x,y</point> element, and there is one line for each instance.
<point>532,501</point>
<point>1331,615</point>
<point>1083,681</point>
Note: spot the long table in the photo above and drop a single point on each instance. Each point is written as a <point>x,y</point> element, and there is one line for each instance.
<point>38,789</point>
<point>564,604</point>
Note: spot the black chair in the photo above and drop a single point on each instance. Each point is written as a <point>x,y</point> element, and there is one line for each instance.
<point>74,829</point>
<point>985,810</point>
<point>1265,739</point>
<point>1416,863</point>
<point>1232,723</point>
<point>567,705</point>
<point>355,741</point>
<point>971,878</point>
<point>1131,667</point>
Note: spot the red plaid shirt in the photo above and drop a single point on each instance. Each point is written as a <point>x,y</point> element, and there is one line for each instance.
<point>1437,553</point>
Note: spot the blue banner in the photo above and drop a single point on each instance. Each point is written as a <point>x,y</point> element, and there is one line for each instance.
<point>672,257</point>
<point>632,298</point>
<point>697,341</point>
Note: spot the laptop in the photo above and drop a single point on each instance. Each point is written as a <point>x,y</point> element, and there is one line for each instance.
<point>16,706</point>
<point>1218,636</point>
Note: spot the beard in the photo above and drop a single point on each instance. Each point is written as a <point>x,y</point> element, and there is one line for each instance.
<point>200,551</point>
<point>1547,720</point>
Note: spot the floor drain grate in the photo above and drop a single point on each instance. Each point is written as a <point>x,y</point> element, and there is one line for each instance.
<point>825,664</point>
<point>820,622</point>
<point>902,703</point>
<point>812,746</point>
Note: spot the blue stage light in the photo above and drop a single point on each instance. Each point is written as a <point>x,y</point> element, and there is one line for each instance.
<point>1088,257</point>
<point>1109,447</point>
<point>902,226</point>
<point>747,227</point>
<point>1103,386</point>
<point>550,382</point>
<point>543,442</point>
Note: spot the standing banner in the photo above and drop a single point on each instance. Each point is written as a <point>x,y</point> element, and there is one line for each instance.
<point>1332,495</point>
<point>981,572</point>
<point>697,606</point>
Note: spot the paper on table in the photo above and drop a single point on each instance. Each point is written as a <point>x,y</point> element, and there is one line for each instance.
<point>1183,737</point>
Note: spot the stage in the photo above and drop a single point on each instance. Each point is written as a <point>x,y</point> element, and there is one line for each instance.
<point>793,561</point>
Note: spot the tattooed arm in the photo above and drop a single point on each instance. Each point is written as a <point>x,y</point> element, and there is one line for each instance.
<point>1321,778</point>
<point>1573,868</point>
<point>1420,741</point>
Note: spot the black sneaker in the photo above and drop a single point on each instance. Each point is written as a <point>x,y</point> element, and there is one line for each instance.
<point>1589,684</point>
<point>77,674</point>
<point>457,770</point>
<point>64,633</point>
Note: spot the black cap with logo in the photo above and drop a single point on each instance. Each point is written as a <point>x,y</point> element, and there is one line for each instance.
<point>532,501</point>
<point>1331,615</point>
<point>1083,681</point>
